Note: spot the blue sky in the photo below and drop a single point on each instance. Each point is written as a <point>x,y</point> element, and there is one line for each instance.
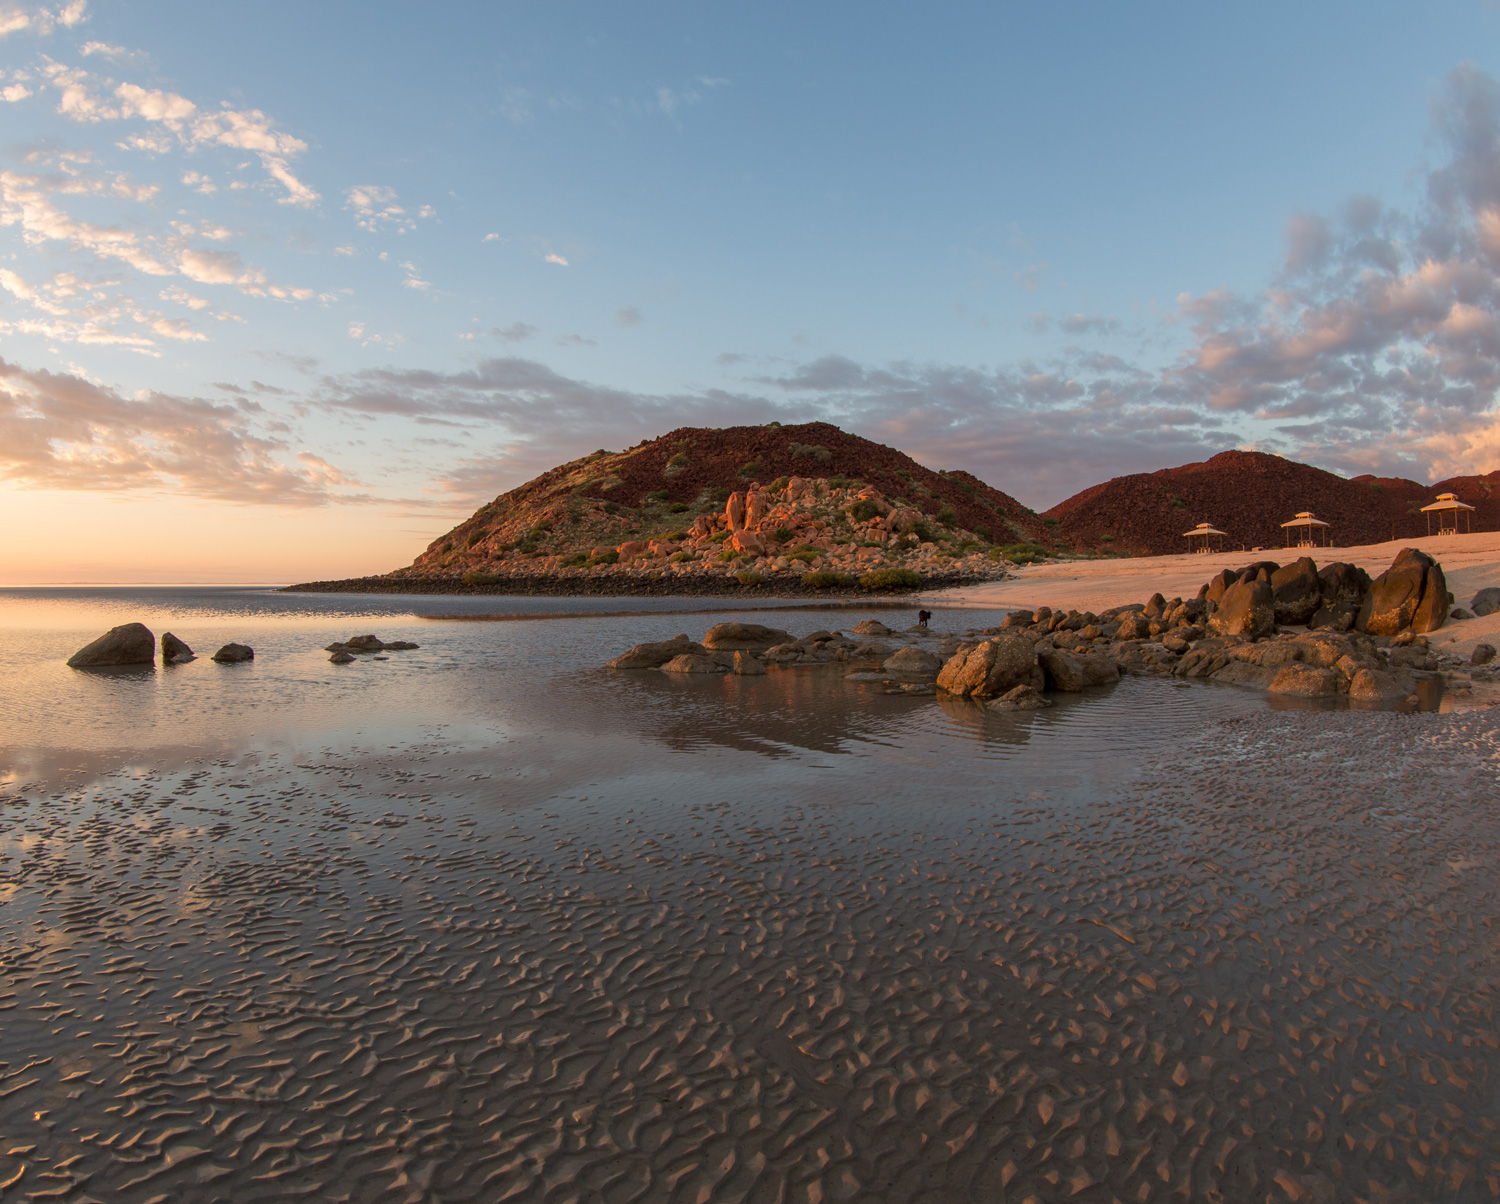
<point>337,273</point>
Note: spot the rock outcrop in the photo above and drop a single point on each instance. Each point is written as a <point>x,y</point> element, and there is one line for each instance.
<point>1247,608</point>
<point>234,654</point>
<point>127,644</point>
<point>730,636</point>
<point>174,651</point>
<point>992,667</point>
<point>654,656</point>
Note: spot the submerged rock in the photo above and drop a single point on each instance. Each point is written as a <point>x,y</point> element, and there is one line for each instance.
<point>747,666</point>
<point>654,656</point>
<point>871,627</point>
<point>234,654</point>
<point>175,651</point>
<point>727,636</point>
<point>1022,698</point>
<point>127,644</point>
<point>341,657</point>
<point>912,660</point>
<point>694,662</point>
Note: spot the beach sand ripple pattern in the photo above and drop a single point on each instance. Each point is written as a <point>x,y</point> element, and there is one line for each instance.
<point>1266,971</point>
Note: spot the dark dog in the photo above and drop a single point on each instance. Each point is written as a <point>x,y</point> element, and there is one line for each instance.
<point>922,617</point>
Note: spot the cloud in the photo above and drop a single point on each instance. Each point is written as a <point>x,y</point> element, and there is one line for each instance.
<point>575,340</point>
<point>629,316</point>
<point>41,19</point>
<point>553,257</point>
<point>375,208</point>
<point>514,333</point>
<point>61,431</point>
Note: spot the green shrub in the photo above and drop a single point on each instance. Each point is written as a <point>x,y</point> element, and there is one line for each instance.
<point>810,451</point>
<point>680,460</point>
<point>611,507</point>
<point>475,578</point>
<point>604,558</point>
<point>782,534</point>
<point>750,578</point>
<point>863,511</point>
<point>576,559</point>
<point>727,555</point>
<point>475,537</point>
<point>982,531</point>
<point>891,579</point>
<point>1020,553</point>
<point>658,495</point>
<point>805,555</point>
<point>682,557</point>
<point>947,516</point>
<point>1107,537</point>
<point>1177,501</point>
<point>675,536</point>
<point>1051,522</point>
<point>828,579</point>
<point>447,547</point>
<point>721,495</point>
<point>749,468</point>
<point>904,474</point>
<point>924,533</point>
<point>778,484</point>
<point>967,488</point>
<point>718,537</point>
<point>678,508</point>
<point>841,482</point>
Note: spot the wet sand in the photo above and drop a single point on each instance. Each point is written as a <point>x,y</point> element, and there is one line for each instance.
<point>1258,964</point>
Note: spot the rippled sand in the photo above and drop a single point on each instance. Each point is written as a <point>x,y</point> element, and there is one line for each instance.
<point>1265,969</point>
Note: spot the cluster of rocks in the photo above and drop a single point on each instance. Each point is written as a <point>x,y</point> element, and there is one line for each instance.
<point>135,644</point>
<point>1351,636</point>
<point>346,651</point>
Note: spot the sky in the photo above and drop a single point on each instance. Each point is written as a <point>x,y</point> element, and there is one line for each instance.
<point>287,290</point>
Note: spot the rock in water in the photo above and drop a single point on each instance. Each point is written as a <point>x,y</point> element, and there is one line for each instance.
<point>1248,608</point>
<point>728,636</point>
<point>1304,681</point>
<point>991,668</point>
<point>654,656</point>
<point>747,666</point>
<point>1071,673</point>
<point>693,662</point>
<point>871,627</point>
<point>912,660</point>
<point>234,654</point>
<point>1486,601</point>
<point>1411,595</point>
<point>1381,685</point>
<point>174,651</point>
<point>341,657</point>
<point>127,644</point>
<point>1298,592</point>
<point>1022,698</point>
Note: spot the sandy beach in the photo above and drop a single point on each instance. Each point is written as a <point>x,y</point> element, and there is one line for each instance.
<point>1470,563</point>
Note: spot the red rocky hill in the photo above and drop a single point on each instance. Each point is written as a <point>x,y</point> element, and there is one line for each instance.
<point>1248,495</point>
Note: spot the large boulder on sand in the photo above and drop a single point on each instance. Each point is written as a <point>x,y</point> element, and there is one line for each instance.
<point>234,654</point>
<point>1070,673</point>
<point>127,644</point>
<point>174,651</point>
<point>991,668</point>
<point>1297,591</point>
<point>912,660</point>
<point>1248,608</point>
<point>728,636</point>
<point>654,656</point>
<point>1411,595</point>
<point>1486,601</point>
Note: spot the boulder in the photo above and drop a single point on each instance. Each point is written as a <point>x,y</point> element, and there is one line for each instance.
<point>400,646</point>
<point>1459,613</point>
<point>1261,570</point>
<point>1342,582</point>
<point>1021,698</point>
<point>1304,681</point>
<point>991,667</point>
<point>654,656</point>
<point>693,662</point>
<point>234,654</point>
<point>751,542</point>
<point>127,644</point>
<point>1483,654</point>
<point>871,627</point>
<point>1217,584</point>
<point>1411,595</point>
<point>1381,685</point>
<point>1133,626</point>
<point>1336,616</point>
<point>1297,592</point>
<point>1019,618</point>
<point>174,651</point>
<point>757,506</point>
<point>734,511</point>
<point>633,547</point>
<point>902,520</point>
<point>1071,673</point>
<point>1486,601</point>
<point>341,657</point>
<point>1244,673</point>
<point>912,660</point>
<point>747,666</point>
<point>872,651</point>
<point>1155,607</point>
<point>1248,608</point>
<point>728,636</point>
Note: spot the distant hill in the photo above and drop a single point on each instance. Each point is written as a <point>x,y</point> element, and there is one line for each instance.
<point>1248,495</point>
<point>640,505</point>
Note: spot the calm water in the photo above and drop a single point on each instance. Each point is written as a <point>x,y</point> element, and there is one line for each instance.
<point>485,921</point>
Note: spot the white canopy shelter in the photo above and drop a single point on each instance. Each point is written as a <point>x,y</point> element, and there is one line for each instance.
<point>1204,532</point>
<point>1448,508</point>
<point>1304,528</point>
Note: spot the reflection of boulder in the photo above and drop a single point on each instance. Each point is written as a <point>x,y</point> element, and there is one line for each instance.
<point>1410,595</point>
<point>127,644</point>
<point>1248,608</point>
<point>1297,592</point>
<point>990,668</point>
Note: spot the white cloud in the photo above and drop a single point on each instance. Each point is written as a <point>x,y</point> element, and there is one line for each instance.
<point>14,92</point>
<point>41,19</point>
<point>375,207</point>
<point>553,257</point>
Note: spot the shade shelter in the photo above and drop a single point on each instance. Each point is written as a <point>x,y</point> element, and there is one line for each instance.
<point>1448,508</point>
<point>1304,529</point>
<point>1206,535</point>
